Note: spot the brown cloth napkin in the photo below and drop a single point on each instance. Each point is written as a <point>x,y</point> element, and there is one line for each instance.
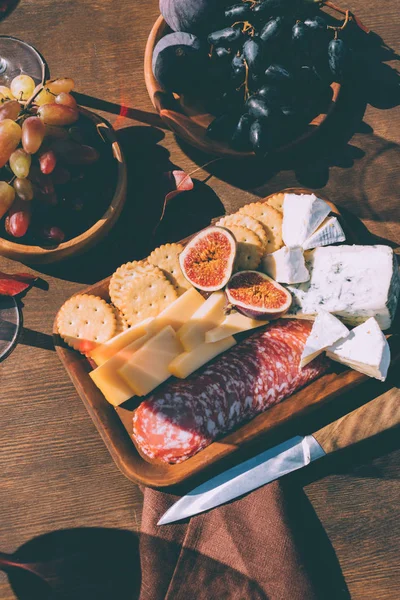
<point>267,545</point>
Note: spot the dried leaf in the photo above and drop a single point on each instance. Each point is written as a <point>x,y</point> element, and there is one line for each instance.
<point>12,285</point>
<point>175,183</point>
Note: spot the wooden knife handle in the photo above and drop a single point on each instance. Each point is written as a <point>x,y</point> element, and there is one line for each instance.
<point>364,422</point>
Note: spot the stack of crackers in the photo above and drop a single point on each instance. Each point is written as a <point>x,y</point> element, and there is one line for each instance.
<point>142,289</point>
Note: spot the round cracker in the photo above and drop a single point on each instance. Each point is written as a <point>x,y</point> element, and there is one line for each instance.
<point>249,249</point>
<point>271,220</point>
<point>121,323</point>
<point>86,319</point>
<point>127,273</point>
<point>245,221</point>
<point>146,296</point>
<point>276,201</point>
<point>166,258</point>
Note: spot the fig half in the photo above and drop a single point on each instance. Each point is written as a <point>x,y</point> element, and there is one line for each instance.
<point>258,296</point>
<point>207,260</point>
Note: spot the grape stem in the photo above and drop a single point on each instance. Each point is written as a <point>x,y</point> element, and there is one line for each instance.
<point>344,24</point>
<point>348,14</point>
<point>245,83</point>
<point>247,27</point>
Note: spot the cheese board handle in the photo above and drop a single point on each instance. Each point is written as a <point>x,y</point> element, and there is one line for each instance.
<point>374,417</point>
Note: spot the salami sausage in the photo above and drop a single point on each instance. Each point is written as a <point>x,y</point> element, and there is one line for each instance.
<point>184,416</point>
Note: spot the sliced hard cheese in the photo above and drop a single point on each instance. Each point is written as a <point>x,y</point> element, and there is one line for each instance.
<point>184,364</point>
<point>286,265</point>
<point>106,377</point>
<point>365,349</point>
<point>148,367</point>
<point>104,352</point>
<point>302,215</point>
<point>179,312</point>
<point>352,282</point>
<point>330,232</point>
<point>208,316</point>
<point>326,330</point>
<point>233,323</point>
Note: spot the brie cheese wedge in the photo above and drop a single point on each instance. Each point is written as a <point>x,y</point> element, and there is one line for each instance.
<point>330,232</point>
<point>365,349</point>
<point>302,215</point>
<point>286,265</point>
<point>326,330</point>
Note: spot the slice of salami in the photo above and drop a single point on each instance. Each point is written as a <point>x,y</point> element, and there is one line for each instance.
<point>185,416</point>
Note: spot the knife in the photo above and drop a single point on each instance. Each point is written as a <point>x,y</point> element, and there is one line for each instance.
<point>364,422</point>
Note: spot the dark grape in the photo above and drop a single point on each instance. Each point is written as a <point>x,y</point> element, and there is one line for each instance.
<point>253,54</point>
<point>51,235</point>
<point>276,74</point>
<point>272,31</point>
<point>258,108</point>
<point>228,102</point>
<point>238,12</point>
<point>301,37</point>
<point>238,61</point>
<point>270,94</point>
<point>224,37</point>
<point>338,56</point>
<point>221,128</point>
<point>241,135</point>
<point>269,8</point>
<point>223,53</point>
<point>316,22</point>
<point>259,138</point>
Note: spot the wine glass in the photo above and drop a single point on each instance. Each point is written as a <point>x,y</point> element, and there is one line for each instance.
<point>10,325</point>
<point>20,58</point>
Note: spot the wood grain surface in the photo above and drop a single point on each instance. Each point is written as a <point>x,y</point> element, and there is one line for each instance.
<point>56,473</point>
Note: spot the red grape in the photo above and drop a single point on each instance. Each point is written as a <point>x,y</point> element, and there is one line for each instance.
<point>57,114</point>
<point>47,162</point>
<point>52,234</point>
<point>66,100</point>
<point>75,154</point>
<point>33,131</point>
<point>18,218</point>
<point>60,176</point>
<point>9,110</point>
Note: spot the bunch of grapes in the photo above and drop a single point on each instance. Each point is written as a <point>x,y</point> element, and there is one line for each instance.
<point>271,67</point>
<point>42,151</point>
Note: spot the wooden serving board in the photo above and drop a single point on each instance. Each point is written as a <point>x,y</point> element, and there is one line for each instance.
<point>115,424</point>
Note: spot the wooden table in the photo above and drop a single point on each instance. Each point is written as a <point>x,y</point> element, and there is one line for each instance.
<point>55,471</point>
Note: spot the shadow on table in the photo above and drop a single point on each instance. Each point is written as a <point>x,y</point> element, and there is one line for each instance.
<point>104,564</point>
<point>133,236</point>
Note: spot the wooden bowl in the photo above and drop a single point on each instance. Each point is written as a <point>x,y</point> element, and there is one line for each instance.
<point>41,254</point>
<point>190,121</point>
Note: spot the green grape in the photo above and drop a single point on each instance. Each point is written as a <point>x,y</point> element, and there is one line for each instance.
<point>67,100</point>
<point>7,196</point>
<point>45,97</point>
<point>6,92</point>
<point>57,114</point>
<point>9,110</point>
<point>33,131</point>
<point>23,188</point>
<point>22,87</point>
<point>62,84</point>
<point>10,137</point>
<point>20,163</point>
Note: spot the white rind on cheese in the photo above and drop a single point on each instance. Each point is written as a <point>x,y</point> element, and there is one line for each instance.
<point>365,349</point>
<point>327,329</point>
<point>286,265</point>
<point>330,232</point>
<point>352,282</point>
<point>302,215</point>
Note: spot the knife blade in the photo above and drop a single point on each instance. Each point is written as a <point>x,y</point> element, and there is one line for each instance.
<point>365,422</point>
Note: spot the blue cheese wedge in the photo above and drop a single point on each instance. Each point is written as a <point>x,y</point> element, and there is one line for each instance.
<point>365,349</point>
<point>302,215</point>
<point>327,330</point>
<point>330,232</point>
<point>286,265</point>
<point>352,282</point>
